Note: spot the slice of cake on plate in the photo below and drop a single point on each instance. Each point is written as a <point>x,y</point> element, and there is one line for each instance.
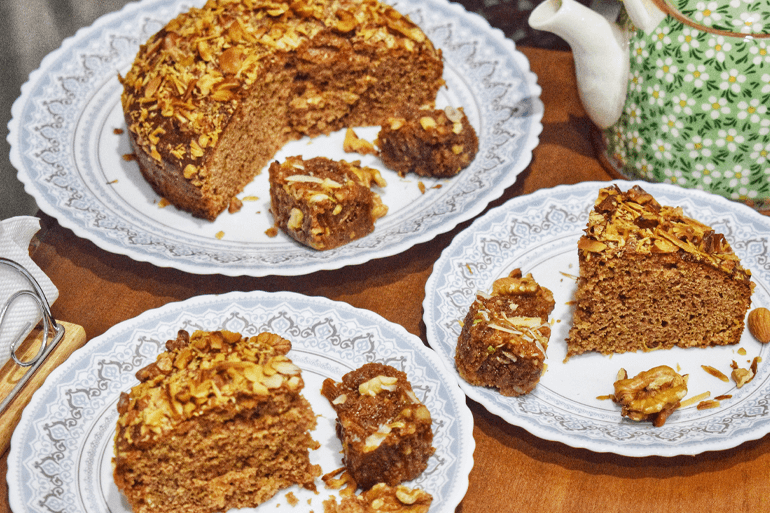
<point>217,422</point>
<point>653,278</point>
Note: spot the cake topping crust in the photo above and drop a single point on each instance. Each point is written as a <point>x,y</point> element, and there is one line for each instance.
<point>634,220</point>
<point>205,372</point>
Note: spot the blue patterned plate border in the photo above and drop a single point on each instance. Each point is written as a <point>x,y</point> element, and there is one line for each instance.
<point>60,457</point>
<point>68,155</point>
<point>539,233</point>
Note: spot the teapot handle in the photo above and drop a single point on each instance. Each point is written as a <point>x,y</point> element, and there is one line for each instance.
<point>664,6</point>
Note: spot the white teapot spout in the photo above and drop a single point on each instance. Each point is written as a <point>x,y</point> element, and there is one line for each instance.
<point>600,49</point>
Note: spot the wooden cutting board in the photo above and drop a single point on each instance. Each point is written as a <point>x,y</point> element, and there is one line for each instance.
<point>10,373</point>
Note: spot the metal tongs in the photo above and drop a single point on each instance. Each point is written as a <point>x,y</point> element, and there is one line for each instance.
<point>52,330</point>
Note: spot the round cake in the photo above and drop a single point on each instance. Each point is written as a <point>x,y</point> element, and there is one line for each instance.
<point>214,94</point>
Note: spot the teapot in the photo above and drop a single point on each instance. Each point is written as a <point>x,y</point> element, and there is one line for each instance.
<point>679,93</point>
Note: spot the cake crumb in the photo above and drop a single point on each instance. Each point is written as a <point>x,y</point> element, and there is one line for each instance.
<point>128,157</point>
<point>219,235</point>
<point>235,205</point>
<point>421,186</point>
<point>354,144</point>
<point>292,499</point>
<point>251,198</point>
<point>272,231</point>
<point>112,182</point>
<point>163,203</point>
<point>117,131</point>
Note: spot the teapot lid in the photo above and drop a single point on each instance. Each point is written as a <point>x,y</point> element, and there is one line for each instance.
<point>733,18</point>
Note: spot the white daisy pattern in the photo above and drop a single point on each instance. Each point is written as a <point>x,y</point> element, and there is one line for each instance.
<point>696,111</point>
<point>732,80</point>
<point>730,139</point>
<point>696,73</point>
<point>706,13</point>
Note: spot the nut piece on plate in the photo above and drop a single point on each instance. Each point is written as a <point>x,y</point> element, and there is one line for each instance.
<point>759,324</point>
<point>382,497</point>
<point>650,395</point>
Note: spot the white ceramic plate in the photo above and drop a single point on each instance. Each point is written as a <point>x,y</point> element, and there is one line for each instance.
<point>539,234</point>
<point>60,458</point>
<point>67,154</point>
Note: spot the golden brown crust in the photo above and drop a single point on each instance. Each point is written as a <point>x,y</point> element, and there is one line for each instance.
<point>324,203</point>
<point>505,336</point>
<point>652,278</point>
<point>384,428</point>
<point>633,218</point>
<point>221,88</point>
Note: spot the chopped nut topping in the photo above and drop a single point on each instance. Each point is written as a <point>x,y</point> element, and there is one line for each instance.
<point>454,115</point>
<point>202,372</point>
<point>295,219</point>
<point>635,218</point>
<point>377,384</point>
<point>353,144</point>
<point>427,122</point>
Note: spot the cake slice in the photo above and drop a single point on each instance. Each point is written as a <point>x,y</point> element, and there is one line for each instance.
<point>653,278</point>
<point>217,422</point>
<point>505,335</point>
<point>385,430</point>
<point>324,203</point>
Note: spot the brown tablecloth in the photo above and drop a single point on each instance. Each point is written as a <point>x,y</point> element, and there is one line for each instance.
<point>513,470</point>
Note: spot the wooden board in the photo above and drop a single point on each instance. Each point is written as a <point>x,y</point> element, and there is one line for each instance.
<point>10,374</point>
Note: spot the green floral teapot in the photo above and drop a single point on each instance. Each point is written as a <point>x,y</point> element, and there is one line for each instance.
<point>681,91</point>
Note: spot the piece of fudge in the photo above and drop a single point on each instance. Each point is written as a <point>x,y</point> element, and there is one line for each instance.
<point>505,336</point>
<point>324,203</point>
<point>431,143</point>
<point>384,428</point>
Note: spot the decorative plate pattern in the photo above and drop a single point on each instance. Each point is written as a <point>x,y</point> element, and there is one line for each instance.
<point>61,451</point>
<point>538,233</point>
<point>64,145</point>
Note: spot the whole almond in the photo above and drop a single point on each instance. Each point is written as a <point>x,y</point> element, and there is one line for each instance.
<point>759,324</point>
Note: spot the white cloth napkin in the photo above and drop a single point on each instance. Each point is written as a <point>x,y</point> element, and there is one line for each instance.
<point>23,314</point>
